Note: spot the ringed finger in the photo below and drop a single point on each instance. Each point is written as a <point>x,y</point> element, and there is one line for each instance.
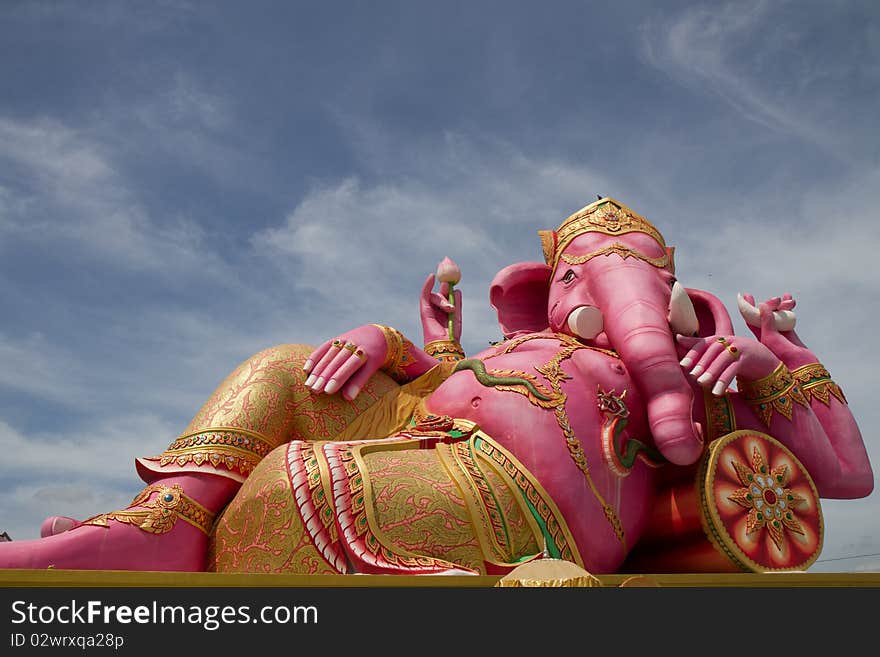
<point>327,370</point>
<point>354,362</point>
<point>712,351</point>
<point>325,360</point>
<point>316,355</point>
<point>715,370</point>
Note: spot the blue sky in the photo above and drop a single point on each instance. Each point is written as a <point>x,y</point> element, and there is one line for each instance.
<point>183,184</point>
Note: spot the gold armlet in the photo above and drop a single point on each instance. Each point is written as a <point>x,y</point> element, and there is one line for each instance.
<point>444,350</point>
<point>816,383</point>
<point>777,391</point>
<point>236,450</point>
<point>160,514</point>
<point>399,353</point>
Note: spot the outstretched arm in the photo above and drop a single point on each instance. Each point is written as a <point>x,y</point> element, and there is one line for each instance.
<point>824,396</point>
<point>779,393</point>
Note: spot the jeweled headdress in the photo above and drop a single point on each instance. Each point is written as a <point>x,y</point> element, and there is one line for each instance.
<point>609,217</point>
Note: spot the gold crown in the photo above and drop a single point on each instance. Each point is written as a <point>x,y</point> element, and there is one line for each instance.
<point>606,216</point>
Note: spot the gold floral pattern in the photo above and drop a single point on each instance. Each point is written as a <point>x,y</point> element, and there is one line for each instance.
<point>720,417</point>
<point>262,531</point>
<point>399,353</point>
<point>778,391</point>
<point>266,396</point>
<point>816,383</point>
<point>159,515</point>
<point>444,350</point>
<point>770,504</point>
<point>418,509</point>
<point>606,216</point>
<point>556,400</point>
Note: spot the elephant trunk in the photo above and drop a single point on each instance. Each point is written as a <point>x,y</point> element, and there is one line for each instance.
<point>635,303</point>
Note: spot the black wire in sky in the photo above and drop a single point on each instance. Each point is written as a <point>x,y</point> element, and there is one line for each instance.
<point>857,556</point>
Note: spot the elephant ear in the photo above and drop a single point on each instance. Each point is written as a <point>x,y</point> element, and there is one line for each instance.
<point>711,313</point>
<point>519,294</point>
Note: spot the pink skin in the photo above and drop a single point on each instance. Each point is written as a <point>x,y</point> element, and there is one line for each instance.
<point>634,297</point>
<point>825,438</point>
<point>126,547</point>
<point>785,344</point>
<point>843,470</point>
<point>57,524</point>
<point>67,544</point>
<point>533,434</point>
<point>715,365</point>
<point>434,309</point>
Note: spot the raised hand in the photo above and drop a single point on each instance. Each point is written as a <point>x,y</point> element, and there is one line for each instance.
<point>784,318</point>
<point>435,310</point>
<point>772,323</point>
<point>346,362</point>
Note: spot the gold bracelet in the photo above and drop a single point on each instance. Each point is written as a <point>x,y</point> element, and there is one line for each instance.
<point>444,350</point>
<point>398,355</point>
<point>777,391</point>
<point>816,383</point>
<point>160,514</point>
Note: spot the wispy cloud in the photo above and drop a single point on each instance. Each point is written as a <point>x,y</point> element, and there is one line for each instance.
<point>353,250</point>
<point>76,472</point>
<point>70,194</point>
<point>746,53</point>
<point>364,249</point>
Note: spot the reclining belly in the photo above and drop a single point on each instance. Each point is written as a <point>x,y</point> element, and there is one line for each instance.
<point>556,420</point>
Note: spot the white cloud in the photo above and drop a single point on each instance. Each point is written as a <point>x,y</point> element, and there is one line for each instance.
<point>35,366</point>
<point>71,196</point>
<point>188,103</point>
<point>729,50</point>
<point>101,447</point>
<point>365,250</point>
<point>353,251</point>
<point>77,473</point>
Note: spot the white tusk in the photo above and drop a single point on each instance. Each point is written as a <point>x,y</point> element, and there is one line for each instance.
<point>682,316</point>
<point>586,322</point>
<point>783,320</point>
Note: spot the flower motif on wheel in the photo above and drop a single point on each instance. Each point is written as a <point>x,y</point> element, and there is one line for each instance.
<point>770,504</point>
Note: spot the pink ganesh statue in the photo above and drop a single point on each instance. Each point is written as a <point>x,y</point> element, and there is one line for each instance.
<point>602,430</point>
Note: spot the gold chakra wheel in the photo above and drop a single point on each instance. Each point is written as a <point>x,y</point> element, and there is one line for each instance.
<point>760,507</point>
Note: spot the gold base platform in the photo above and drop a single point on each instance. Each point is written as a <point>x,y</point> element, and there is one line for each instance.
<point>110,578</point>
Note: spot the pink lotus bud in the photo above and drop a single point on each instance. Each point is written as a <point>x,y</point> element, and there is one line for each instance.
<point>448,272</point>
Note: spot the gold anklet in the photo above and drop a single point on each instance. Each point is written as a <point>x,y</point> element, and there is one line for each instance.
<point>160,514</point>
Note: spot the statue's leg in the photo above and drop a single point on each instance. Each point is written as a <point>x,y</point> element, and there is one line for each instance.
<point>260,405</point>
<point>387,507</point>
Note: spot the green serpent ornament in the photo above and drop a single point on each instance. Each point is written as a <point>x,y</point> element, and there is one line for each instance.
<point>616,414</point>
<point>478,367</point>
<point>612,406</point>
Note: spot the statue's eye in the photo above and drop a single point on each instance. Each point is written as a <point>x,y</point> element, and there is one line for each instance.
<point>569,276</point>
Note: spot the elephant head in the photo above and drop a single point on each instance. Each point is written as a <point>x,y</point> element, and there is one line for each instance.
<point>609,279</point>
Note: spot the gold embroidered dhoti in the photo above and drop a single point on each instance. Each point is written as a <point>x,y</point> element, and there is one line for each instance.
<point>416,502</point>
<point>337,486</point>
